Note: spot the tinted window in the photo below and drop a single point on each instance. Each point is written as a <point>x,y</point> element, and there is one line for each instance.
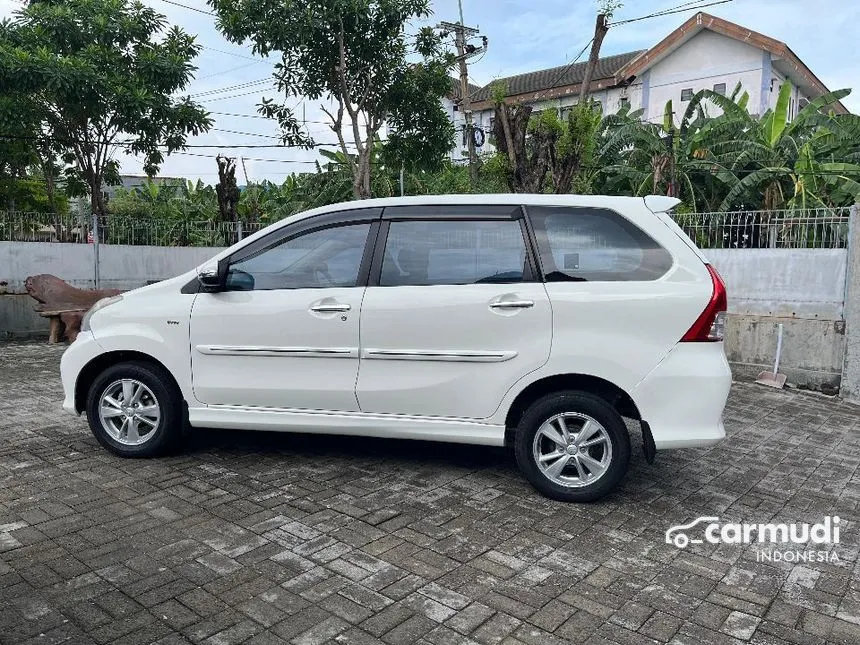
<point>686,94</point>
<point>720,88</point>
<point>453,252</point>
<point>595,244</point>
<point>326,258</point>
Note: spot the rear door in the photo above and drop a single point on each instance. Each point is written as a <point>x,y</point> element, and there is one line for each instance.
<point>454,313</point>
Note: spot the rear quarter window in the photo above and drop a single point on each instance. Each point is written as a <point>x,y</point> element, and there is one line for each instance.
<point>595,245</point>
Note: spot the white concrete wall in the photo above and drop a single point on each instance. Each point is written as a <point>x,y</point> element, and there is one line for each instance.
<point>705,60</point>
<point>122,267</point>
<point>803,283</point>
<point>796,96</point>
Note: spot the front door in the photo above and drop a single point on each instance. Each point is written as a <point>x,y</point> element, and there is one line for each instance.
<point>453,316</point>
<point>285,332</point>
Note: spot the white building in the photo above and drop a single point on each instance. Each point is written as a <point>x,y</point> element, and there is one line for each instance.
<point>705,52</point>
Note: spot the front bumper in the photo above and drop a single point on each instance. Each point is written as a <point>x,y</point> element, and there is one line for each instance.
<point>75,358</point>
<point>683,398</point>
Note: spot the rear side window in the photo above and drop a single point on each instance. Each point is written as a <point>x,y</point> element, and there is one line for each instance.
<point>431,252</point>
<point>596,245</point>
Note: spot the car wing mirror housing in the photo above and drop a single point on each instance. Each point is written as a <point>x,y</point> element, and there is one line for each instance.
<point>212,277</point>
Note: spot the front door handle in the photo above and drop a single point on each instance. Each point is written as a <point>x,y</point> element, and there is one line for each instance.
<point>513,304</point>
<point>330,308</point>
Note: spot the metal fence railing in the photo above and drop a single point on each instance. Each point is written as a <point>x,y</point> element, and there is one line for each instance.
<point>17,226</point>
<point>806,229</point>
<point>41,227</point>
<point>138,232</point>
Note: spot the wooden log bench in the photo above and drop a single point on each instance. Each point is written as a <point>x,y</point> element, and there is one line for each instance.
<point>62,304</point>
<point>58,327</point>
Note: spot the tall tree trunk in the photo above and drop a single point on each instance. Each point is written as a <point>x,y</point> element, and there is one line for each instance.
<point>600,29</point>
<point>228,195</point>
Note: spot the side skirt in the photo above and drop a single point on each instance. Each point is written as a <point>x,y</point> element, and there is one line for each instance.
<point>391,426</point>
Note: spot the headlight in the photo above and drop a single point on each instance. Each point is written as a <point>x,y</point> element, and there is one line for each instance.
<point>101,304</point>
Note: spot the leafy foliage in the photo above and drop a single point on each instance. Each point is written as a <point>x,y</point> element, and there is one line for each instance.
<point>353,52</point>
<point>97,75</point>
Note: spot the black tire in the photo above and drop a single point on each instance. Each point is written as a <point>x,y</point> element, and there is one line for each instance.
<point>582,403</point>
<point>170,425</point>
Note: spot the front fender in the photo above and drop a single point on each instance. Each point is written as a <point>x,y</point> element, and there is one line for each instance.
<point>157,327</point>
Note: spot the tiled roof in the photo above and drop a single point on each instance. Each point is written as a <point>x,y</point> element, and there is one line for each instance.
<point>455,89</point>
<point>559,76</point>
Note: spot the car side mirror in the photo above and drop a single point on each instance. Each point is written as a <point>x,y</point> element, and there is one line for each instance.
<point>212,278</point>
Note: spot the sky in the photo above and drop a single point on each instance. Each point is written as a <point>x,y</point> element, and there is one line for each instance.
<point>524,35</point>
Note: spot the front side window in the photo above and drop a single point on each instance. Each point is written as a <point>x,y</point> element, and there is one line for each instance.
<point>329,257</point>
<point>595,244</point>
<point>687,94</point>
<point>432,252</point>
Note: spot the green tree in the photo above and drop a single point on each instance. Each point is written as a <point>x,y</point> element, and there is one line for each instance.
<point>353,52</point>
<point>542,151</point>
<point>103,75</point>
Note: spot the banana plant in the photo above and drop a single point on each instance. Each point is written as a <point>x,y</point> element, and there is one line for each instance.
<point>790,164</point>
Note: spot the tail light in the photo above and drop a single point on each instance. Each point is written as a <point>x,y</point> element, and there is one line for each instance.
<point>710,324</point>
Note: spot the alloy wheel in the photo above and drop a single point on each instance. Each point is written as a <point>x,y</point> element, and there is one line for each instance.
<point>572,450</point>
<point>129,412</point>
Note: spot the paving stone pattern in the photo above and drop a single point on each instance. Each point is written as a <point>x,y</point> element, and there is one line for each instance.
<point>264,538</point>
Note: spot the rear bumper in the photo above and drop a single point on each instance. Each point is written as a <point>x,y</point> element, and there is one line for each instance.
<point>683,398</point>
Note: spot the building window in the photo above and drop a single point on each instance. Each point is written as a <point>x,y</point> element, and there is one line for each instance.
<point>802,103</point>
<point>687,94</point>
<point>720,88</point>
<point>624,102</point>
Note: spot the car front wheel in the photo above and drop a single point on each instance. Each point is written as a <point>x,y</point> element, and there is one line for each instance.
<point>572,446</point>
<point>135,410</point>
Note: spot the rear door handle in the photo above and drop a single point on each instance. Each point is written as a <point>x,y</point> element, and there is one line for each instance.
<point>513,304</point>
<point>330,308</point>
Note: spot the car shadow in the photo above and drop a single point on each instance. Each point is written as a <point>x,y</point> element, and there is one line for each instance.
<point>245,442</point>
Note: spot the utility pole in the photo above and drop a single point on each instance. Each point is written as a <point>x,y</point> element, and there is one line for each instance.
<point>466,51</point>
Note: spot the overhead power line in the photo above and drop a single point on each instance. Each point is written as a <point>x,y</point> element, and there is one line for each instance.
<point>564,71</point>
<point>185,6</point>
<point>232,69</point>
<point>207,99</point>
<point>229,53</point>
<point>298,161</point>
<point>677,9</point>
<point>333,144</point>
<point>260,116</point>
<point>232,88</point>
<point>667,12</point>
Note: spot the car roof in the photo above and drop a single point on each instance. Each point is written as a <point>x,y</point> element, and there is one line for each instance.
<point>527,199</point>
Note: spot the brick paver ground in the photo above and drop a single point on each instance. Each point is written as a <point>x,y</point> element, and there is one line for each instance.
<point>261,538</point>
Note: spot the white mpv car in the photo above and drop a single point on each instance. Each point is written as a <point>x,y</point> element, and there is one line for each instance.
<point>537,321</point>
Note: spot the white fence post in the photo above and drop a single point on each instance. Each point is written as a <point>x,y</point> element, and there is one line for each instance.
<point>850,387</point>
<point>96,274</point>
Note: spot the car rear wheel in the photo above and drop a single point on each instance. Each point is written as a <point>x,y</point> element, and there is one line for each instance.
<point>135,410</point>
<point>572,446</point>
